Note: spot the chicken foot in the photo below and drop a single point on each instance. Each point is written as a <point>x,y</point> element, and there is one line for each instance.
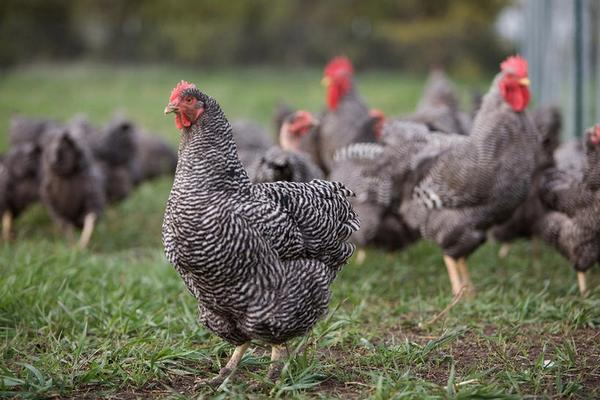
<point>278,353</point>
<point>582,281</point>
<point>7,219</point>
<point>228,370</point>
<point>88,228</point>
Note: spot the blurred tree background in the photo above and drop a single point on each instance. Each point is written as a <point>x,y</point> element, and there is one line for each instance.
<point>408,34</point>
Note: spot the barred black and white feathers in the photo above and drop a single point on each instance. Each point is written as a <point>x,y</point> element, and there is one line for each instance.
<point>259,258</point>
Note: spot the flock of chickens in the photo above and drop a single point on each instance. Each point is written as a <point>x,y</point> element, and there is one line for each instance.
<point>75,169</point>
<point>452,177</point>
<point>258,236</point>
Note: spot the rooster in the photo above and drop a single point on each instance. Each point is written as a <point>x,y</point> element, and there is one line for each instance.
<point>572,224</point>
<point>548,122</point>
<point>258,258</point>
<point>346,116</point>
<point>480,180</point>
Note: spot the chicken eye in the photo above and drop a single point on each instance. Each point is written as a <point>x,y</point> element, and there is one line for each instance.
<point>188,100</point>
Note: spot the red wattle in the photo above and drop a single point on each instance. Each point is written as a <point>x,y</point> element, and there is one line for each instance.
<point>333,97</point>
<point>517,96</point>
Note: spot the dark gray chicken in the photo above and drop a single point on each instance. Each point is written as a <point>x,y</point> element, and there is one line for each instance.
<point>573,223</point>
<point>369,170</point>
<point>480,181</point>
<point>29,130</point>
<point>548,121</point>
<point>71,188</point>
<point>277,165</point>
<point>115,150</point>
<point>154,157</point>
<point>288,162</point>
<point>438,107</point>
<point>251,139</point>
<point>258,258</point>
<point>346,116</point>
<point>22,164</point>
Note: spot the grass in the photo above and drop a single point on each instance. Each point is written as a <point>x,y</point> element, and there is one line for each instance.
<point>116,320</point>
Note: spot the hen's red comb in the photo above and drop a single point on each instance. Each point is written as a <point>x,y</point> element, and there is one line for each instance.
<point>181,86</point>
<point>516,65</point>
<point>376,113</point>
<point>339,65</point>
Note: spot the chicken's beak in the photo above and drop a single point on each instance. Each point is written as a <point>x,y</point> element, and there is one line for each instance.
<point>171,108</point>
<point>524,81</point>
<point>326,81</point>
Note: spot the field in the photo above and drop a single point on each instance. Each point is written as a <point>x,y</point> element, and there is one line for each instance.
<point>115,321</point>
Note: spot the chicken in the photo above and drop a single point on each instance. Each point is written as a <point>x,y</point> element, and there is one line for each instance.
<point>71,186</point>
<point>572,224</point>
<point>479,181</point>
<point>154,157</point>
<point>281,112</point>
<point>346,116</point>
<point>548,122</point>
<point>22,180</point>
<point>569,157</point>
<point>369,170</point>
<point>258,258</point>
<point>251,139</point>
<point>28,130</point>
<point>288,162</point>
<point>115,150</point>
<point>438,107</point>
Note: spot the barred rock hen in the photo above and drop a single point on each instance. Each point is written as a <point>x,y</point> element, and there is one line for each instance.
<point>548,122</point>
<point>438,107</point>
<point>22,163</point>
<point>288,162</point>
<point>573,223</point>
<point>480,181</point>
<point>71,185</point>
<point>346,116</point>
<point>258,258</point>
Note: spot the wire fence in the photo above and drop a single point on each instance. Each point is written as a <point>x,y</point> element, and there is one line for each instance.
<point>561,40</point>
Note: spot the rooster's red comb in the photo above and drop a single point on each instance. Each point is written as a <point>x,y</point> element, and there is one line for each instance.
<point>339,65</point>
<point>516,65</point>
<point>181,86</point>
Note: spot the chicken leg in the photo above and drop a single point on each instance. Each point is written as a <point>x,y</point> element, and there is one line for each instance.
<point>361,255</point>
<point>278,353</point>
<point>504,250</point>
<point>465,277</point>
<point>6,225</point>
<point>453,274</point>
<point>582,281</point>
<point>228,370</point>
<point>88,228</point>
